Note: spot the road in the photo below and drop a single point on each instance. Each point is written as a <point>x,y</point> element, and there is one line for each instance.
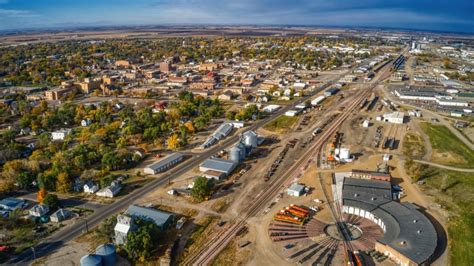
<point>67,234</point>
<point>218,242</point>
<point>466,170</point>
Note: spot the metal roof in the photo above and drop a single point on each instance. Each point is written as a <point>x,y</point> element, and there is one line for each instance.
<point>296,187</point>
<point>219,165</point>
<point>159,217</point>
<point>166,160</point>
<point>407,230</point>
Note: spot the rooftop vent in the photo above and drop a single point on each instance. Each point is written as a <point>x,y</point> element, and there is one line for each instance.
<point>415,221</point>
<point>403,243</point>
<point>356,195</point>
<point>419,231</point>
<point>373,198</point>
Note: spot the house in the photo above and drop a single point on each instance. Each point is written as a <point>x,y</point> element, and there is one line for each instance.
<point>110,191</point>
<point>11,204</point>
<point>60,134</point>
<point>164,164</point>
<point>90,187</point>
<point>295,190</point>
<point>39,210</point>
<point>60,215</point>
<point>86,122</point>
<point>125,222</point>
<point>238,124</point>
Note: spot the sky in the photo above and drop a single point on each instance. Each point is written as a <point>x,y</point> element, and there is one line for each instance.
<point>437,15</point>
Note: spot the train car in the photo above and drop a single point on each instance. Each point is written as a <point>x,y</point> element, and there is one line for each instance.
<point>350,258</point>
<point>358,259</point>
<point>299,208</point>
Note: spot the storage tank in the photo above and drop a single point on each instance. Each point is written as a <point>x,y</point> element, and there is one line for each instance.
<point>91,260</point>
<point>250,139</point>
<point>235,154</point>
<point>344,154</point>
<point>108,254</point>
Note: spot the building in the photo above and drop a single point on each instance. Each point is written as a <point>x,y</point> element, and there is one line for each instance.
<point>164,163</point>
<point>318,100</point>
<point>166,67</point>
<point>60,215</point>
<point>202,86</point>
<point>86,122</point>
<point>395,117</point>
<point>11,204</point>
<point>218,165</point>
<point>89,85</point>
<point>409,237</point>
<point>292,113</point>
<point>208,67</point>
<point>57,93</point>
<point>110,191</point>
<point>60,134</point>
<point>122,63</point>
<point>271,108</point>
<point>331,91</point>
<point>39,210</point>
<point>348,79</point>
<point>125,222</point>
<point>221,132</point>
<point>363,174</point>
<point>296,190</point>
<point>90,187</point>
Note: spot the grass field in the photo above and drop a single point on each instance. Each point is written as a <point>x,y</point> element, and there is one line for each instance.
<point>281,124</point>
<point>413,146</point>
<point>447,148</point>
<point>455,191</point>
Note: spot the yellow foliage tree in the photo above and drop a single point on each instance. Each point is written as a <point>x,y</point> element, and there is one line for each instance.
<point>173,142</point>
<point>63,182</point>
<point>190,127</point>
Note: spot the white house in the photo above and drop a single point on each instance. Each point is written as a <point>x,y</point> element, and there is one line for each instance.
<point>395,117</point>
<point>110,191</point>
<point>86,122</point>
<point>60,215</point>
<point>39,210</point>
<point>238,124</point>
<point>60,134</point>
<point>90,187</point>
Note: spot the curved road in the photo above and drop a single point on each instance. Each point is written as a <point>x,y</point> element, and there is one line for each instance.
<point>466,170</point>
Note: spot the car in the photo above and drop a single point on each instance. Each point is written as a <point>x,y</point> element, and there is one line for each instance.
<point>314,208</point>
<point>221,223</point>
<point>288,246</point>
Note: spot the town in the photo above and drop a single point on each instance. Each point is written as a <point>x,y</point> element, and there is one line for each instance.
<point>309,147</point>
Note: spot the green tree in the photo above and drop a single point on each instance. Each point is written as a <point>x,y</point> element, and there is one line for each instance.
<point>202,188</point>
<point>143,241</point>
<point>52,201</point>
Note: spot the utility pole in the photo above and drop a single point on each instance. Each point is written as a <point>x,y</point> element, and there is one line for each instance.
<point>87,226</point>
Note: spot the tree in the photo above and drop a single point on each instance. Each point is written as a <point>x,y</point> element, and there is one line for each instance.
<point>173,142</point>
<point>41,195</point>
<point>52,201</point>
<point>140,243</point>
<point>190,127</point>
<point>63,182</point>
<point>202,188</point>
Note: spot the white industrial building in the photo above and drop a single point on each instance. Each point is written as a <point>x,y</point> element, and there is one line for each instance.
<point>295,190</point>
<point>292,113</point>
<point>164,163</point>
<point>271,108</point>
<point>395,117</point>
<point>110,191</point>
<point>318,100</point>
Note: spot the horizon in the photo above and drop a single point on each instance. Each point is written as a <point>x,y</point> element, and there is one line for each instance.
<point>442,16</point>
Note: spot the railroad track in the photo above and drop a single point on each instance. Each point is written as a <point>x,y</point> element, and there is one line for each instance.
<point>219,242</point>
<point>216,244</point>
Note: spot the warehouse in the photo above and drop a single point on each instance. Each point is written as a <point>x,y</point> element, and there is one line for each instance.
<point>395,117</point>
<point>409,236</point>
<point>219,165</point>
<point>164,164</point>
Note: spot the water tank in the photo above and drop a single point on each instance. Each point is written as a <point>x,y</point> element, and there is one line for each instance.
<point>344,154</point>
<point>91,260</point>
<point>250,139</point>
<point>235,154</point>
<point>108,254</point>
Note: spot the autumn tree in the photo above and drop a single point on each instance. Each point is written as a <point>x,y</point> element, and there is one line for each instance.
<point>173,142</point>
<point>63,182</point>
<point>41,195</point>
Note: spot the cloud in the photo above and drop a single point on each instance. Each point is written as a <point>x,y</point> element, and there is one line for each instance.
<point>15,13</point>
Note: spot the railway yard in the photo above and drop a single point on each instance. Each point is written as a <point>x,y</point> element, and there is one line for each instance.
<point>327,184</point>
